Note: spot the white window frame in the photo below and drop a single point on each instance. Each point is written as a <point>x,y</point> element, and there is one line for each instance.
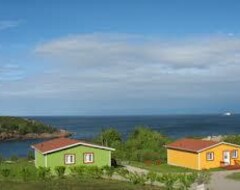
<point>235,153</point>
<point>88,157</point>
<point>210,156</point>
<point>69,158</point>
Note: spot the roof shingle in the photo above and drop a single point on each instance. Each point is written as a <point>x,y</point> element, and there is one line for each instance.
<point>192,145</point>
<point>63,143</point>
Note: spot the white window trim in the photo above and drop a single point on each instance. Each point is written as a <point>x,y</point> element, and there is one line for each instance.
<point>210,158</point>
<point>235,155</point>
<point>67,159</point>
<point>87,161</point>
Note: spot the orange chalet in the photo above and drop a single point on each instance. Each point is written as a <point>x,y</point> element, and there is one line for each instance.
<point>202,154</point>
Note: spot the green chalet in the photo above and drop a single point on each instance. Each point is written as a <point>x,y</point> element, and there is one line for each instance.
<point>70,152</point>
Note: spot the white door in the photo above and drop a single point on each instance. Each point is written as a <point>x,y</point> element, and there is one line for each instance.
<point>226,157</point>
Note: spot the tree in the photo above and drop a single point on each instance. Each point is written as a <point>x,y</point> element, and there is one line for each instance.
<point>109,137</point>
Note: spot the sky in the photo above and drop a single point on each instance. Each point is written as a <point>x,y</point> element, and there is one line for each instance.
<point>112,57</point>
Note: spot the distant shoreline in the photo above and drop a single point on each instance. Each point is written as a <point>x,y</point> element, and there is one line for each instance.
<point>11,136</point>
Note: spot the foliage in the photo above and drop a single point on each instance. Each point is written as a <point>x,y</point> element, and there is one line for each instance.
<point>136,178</point>
<point>235,139</point>
<point>108,171</point>
<point>93,172</point>
<point>73,184</point>
<point>30,155</point>
<point>123,172</point>
<point>146,144</point>
<point>23,126</point>
<point>152,176</point>
<point>5,172</point>
<point>109,137</point>
<point>162,167</point>
<point>203,177</point>
<point>43,173</point>
<point>14,158</point>
<point>78,171</point>
<point>25,173</point>
<point>1,158</point>
<point>60,171</point>
<point>169,180</point>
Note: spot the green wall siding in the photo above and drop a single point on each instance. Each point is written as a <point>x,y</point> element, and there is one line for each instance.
<point>39,159</point>
<point>101,157</point>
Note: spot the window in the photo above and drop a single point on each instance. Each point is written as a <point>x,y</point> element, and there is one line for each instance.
<point>210,156</point>
<point>234,153</point>
<point>69,159</point>
<point>88,157</point>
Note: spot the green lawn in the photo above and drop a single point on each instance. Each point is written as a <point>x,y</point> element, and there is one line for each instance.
<point>15,181</point>
<point>73,184</point>
<point>164,168</point>
<point>16,168</point>
<point>235,176</point>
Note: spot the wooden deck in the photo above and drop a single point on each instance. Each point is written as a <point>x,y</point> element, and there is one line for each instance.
<point>232,167</point>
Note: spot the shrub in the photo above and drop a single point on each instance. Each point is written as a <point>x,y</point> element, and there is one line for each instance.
<point>123,172</point>
<point>30,155</point>
<point>168,180</point>
<point>136,178</point>
<point>152,176</point>
<point>93,172</point>
<point>1,159</point>
<point>25,174</point>
<point>78,171</point>
<point>5,172</point>
<point>203,177</point>
<point>108,171</point>
<point>14,158</point>
<point>186,180</point>
<point>60,171</point>
<point>43,173</point>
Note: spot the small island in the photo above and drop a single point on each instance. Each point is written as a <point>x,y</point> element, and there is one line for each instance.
<point>14,128</point>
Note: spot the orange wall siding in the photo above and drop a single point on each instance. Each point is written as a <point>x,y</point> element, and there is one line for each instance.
<point>182,158</point>
<point>218,156</point>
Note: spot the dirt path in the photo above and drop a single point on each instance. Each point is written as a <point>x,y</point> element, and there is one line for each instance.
<point>220,182</point>
<point>136,169</point>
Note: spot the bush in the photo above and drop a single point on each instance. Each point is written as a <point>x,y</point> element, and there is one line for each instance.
<point>14,158</point>
<point>168,180</point>
<point>203,177</point>
<point>93,172</point>
<point>1,159</point>
<point>152,176</point>
<point>78,171</point>
<point>123,172</point>
<point>60,171</point>
<point>25,174</point>
<point>5,172</point>
<point>43,173</point>
<point>135,178</point>
<point>108,171</point>
<point>186,180</point>
<point>30,155</point>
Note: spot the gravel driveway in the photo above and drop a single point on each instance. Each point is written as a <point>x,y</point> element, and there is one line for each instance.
<point>220,182</point>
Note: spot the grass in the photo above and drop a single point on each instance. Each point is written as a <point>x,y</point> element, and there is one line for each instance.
<point>234,176</point>
<point>15,181</point>
<point>16,168</point>
<point>74,184</point>
<point>164,168</point>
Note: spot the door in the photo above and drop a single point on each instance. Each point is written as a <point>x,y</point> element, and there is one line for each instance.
<point>226,157</point>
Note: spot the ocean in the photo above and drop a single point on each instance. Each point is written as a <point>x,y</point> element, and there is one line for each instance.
<point>174,126</point>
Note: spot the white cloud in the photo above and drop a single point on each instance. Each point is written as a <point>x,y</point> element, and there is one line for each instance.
<point>133,70</point>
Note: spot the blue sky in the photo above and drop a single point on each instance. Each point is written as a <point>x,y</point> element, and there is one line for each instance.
<point>119,57</point>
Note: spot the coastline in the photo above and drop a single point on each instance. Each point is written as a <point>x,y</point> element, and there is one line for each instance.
<point>15,136</point>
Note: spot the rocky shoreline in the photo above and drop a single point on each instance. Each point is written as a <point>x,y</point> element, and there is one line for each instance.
<point>16,136</point>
